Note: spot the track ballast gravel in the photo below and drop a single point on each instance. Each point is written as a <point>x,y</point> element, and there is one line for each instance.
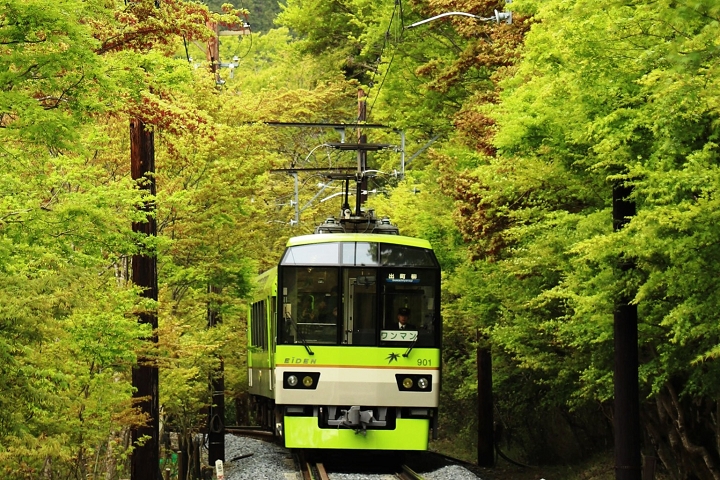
<point>267,461</point>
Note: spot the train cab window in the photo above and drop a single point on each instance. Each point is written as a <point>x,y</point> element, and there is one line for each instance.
<point>314,254</point>
<point>360,253</point>
<point>311,302</point>
<point>404,256</point>
<point>414,294</point>
<point>349,293</point>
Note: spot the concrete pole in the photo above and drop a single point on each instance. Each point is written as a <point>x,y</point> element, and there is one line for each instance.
<point>216,412</point>
<point>486,439</point>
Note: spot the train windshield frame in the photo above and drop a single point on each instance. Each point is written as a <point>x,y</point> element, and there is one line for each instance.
<point>351,293</point>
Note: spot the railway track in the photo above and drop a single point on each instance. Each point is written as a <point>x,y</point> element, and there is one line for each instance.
<point>252,432</point>
<point>317,471</point>
<point>312,470</point>
<point>408,473</point>
<point>314,465</point>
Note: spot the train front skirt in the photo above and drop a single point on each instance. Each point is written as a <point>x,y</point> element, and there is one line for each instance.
<point>304,432</point>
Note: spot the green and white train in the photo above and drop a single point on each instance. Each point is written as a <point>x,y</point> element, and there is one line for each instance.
<point>329,365</point>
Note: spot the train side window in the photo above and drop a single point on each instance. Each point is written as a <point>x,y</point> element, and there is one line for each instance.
<point>258,320</point>
<point>264,323</point>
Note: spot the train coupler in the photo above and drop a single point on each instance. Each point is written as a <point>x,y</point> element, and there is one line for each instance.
<point>357,419</point>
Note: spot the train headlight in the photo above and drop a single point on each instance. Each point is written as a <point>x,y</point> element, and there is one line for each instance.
<point>301,380</point>
<point>408,382</point>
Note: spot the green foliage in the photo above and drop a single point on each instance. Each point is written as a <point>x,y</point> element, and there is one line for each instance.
<point>612,92</point>
<point>273,61</point>
<point>69,342</point>
<point>71,336</point>
<point>261,13</point>
<point>529,125</point>
<point>348,34</point>
<point>51,76</point>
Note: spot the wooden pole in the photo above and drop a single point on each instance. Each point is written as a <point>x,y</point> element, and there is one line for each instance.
<point>213,50</point>
<point>145,461</point>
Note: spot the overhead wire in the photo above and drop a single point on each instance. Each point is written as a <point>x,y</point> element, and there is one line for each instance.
<point>251,38</point>
<point>399,11</point>
<point>187,53</point>
<point>249,46</point>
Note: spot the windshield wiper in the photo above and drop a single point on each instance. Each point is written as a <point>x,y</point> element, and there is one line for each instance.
<point>300,336</point>
<point>412,345</point>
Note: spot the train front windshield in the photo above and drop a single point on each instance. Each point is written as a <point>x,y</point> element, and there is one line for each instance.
<point>352,293</point>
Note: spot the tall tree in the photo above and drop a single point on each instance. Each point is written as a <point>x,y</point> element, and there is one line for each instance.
<point>610,91</point>
<point>70,71</point>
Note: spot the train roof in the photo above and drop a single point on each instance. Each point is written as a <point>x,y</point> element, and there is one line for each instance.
<point>358,237</point>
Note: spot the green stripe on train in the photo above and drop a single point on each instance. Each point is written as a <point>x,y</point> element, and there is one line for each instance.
<point>409,434</point>
<point>333,356</point>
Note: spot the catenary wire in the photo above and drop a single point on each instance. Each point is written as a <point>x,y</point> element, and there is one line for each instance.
<point>398,8</point>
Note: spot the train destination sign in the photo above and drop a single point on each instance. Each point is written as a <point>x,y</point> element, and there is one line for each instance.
<point>398,335</point>
<point>402,278</point>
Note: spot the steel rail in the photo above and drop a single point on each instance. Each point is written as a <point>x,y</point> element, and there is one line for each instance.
<point>251,432</point>
<point>322,473</point>
<point>408,474</point>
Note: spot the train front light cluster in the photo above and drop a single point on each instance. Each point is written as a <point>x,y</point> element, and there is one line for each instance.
<point>414,383</point>
<point>301,380</point>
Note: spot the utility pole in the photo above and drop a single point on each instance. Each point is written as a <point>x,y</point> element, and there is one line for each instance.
<point>361,197</point>
<point>296,199</point>
<point>627,401</point>
<point>145,462</point>
<point>213,50</point>
<point>216,412</point>
<point>486,439</point>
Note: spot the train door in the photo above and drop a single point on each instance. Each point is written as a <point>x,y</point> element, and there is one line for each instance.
<point>360,306</point>
<point>348,314</point>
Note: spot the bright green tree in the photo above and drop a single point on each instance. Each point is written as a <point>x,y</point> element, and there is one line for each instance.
<point>609,91</point>
<point>71,70</point>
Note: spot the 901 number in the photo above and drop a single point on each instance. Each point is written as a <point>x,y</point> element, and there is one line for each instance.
<point>424,362</point>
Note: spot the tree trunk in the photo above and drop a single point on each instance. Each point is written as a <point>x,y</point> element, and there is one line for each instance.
<point>47,468</point>
<point>682,430</point>
<point>656,430</point>
<point>110,461</point>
